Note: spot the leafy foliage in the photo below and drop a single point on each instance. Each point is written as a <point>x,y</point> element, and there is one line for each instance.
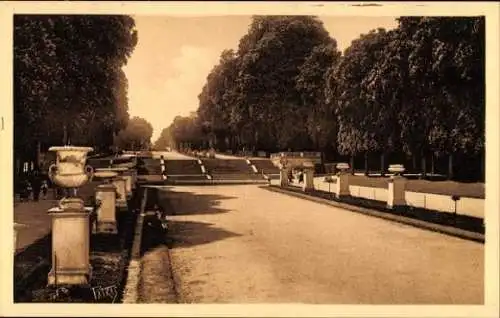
<point>136,136</point>
<point>68,79</point>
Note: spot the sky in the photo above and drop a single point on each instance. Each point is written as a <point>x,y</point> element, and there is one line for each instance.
<point>174,55</point>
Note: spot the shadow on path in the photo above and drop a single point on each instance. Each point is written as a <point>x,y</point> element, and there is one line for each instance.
<point>180,234</point>
<point>186,203</point>
<point>189,233</point>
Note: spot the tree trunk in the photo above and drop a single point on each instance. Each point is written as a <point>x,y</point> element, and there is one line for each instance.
<point>482,163</point>
<point>382,164</point>
<point>18,166</point>
<point>450,166</point>
<point>414,162</point>
<point>366,163</point>
<point>38,154</point>
<point>433,171</point>
<point>65,134</point>
<point>424,166</point>
<point>352,164</point>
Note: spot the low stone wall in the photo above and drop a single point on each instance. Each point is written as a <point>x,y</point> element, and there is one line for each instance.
<point>465,206</point>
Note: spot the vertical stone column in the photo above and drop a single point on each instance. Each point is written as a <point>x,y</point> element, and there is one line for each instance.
<point>396,190</point>
<point>121,194</point>
<point>106,212</point>
<point>70,244</point>
<point>308,184</point>
<point>342,184</point>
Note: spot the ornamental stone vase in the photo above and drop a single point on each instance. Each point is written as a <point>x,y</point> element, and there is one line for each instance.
<point>70,170</point>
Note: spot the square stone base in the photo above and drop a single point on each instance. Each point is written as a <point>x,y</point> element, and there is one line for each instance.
<point>72,277</point>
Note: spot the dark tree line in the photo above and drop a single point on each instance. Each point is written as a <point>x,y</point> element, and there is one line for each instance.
<point>412,95</point>
<point>136,136</point>
<point>69,86</point>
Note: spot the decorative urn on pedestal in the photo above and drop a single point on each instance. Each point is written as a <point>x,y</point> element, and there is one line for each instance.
<point>106,195</point>
<point>396,198</point>
<point>70,220</point>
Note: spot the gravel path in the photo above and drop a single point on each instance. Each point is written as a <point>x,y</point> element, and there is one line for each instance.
<point>243,244</point>
<point>171,155</point>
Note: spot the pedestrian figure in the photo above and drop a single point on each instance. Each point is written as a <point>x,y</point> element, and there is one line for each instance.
<point>36,184</point>
<point>301,176</point>
<point>44,188</point>
<point>25,190</point>
<point>161,215</point>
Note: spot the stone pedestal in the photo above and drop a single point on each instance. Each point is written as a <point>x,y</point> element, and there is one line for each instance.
<point>308,184</point>
<point>396,194</point>
<point>17,227</point>
<point>106,212</point>
<point>70,244</point>
<point>342,185</point>
<point>284,177</point>
<point>121,192</point>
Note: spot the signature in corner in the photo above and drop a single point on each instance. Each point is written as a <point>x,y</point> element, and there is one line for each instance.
<point>104,292</point>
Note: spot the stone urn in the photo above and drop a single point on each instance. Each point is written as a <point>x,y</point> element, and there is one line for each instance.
<point>342,166</point>
<point>397,169</point>
<point>122,182</point>
<point>70,170</point>
<point>106,174</point>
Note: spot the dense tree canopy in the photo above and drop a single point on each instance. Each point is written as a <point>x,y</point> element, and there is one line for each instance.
<point>136,136</point>
<point>411,93</point>
<point>68,78</point>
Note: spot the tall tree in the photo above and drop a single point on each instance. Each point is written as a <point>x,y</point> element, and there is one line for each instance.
<point>357,117</point>
<point>270,56</point>
<point>447,73</point>
<point>311,83</point>
<point>67,72</point>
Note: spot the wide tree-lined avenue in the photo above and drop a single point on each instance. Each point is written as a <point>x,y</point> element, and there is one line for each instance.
<point>308,170</point>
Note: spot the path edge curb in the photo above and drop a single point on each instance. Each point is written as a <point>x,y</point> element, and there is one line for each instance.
<point>131,290</point>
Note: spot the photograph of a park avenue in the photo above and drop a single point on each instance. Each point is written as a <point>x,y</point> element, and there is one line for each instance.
<point>250,159</point>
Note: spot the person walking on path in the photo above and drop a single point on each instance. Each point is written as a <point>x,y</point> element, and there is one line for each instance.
<point>36,183</point>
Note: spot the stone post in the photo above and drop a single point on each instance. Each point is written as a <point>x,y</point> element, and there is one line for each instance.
<point>121,193</point>
<point>106,211</point>
<point>397,183</point>
<point>70,244</point>
<point>308,184</point>
<point>342,184</point>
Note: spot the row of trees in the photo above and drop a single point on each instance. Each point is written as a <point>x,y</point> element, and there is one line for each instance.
<point>69,86</point>
<point>136,136</point>
<point>411,93</point>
